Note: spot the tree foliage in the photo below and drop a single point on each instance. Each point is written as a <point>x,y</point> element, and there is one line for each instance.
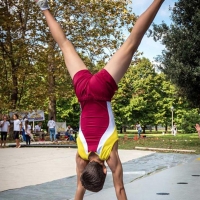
<point>33,72</point>
<point>190,119</point>
<point>181,57</point>
<point>144,95</point>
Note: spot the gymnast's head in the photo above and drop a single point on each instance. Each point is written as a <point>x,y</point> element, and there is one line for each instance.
<point>94,175</point>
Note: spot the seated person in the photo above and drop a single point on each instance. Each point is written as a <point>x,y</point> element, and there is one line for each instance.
<point>58,136</point>
<point>38,130</point>
<point>69,133</point>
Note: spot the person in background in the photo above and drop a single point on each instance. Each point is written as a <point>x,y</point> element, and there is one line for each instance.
<point>174,129</point>
<point>28,132</point>
<point>69,133</point>
<point>52,129</point>
<point>38,128</point>
<point>197,127</point>
<point>17,129</point>
<point>5,127</point>
<point>139,128</point>
<point>25,118</point>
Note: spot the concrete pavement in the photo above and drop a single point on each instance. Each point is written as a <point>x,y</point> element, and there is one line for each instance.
<point>30,166</point>
<point>49,173</point>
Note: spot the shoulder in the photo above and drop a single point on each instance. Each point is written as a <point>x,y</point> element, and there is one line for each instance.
<point>81,163</point>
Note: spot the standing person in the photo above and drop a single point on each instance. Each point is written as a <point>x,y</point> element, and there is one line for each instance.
<point>28,132</point>
<point>139,129</point>
<point>174,129</point>
<point>51,126</point>
<point>25,118</point>
<point>17,129</point>
<point>5,127</point>
<point>197,127</point>
<point>98,138</point>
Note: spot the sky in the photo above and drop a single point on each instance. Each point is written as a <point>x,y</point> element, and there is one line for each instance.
<point>148,46</point>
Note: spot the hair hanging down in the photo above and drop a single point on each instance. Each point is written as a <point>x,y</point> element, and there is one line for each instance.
<point>93,177</point>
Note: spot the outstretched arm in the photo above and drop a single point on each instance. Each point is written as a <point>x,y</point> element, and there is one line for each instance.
<point>72,60</point>
<point>115,166</point>
<point>80,166</point>
<point>121,60</point>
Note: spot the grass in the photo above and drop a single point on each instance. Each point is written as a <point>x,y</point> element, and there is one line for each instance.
<point>157,140</point>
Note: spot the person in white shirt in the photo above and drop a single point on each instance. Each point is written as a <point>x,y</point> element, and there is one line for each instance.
<point>17,129</point>
<point>38,130</point>
<point>5,127</point>
<point>28,132</point>
<point>174,129</point>
<point>139,128</point>
<point>51,126</point>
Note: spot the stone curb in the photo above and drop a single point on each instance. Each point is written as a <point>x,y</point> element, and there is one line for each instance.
<point>45,145</point>
<point>161,149</point>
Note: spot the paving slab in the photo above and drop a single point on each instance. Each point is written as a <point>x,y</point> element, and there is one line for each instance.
<point>179,182</point>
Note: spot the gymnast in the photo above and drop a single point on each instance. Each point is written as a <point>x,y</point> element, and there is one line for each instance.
<point>98,139</point>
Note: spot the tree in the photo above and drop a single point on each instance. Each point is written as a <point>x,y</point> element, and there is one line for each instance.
<point>191,117</point>
<point>14,59</point>
<point>121,100</point>
<point>34,74</point>
<point>181,57</point>
<point>144,95</point>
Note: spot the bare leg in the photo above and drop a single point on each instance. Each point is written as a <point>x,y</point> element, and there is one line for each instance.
<point>17,143</point>
<point>72,60</point>
<point>121,60</point>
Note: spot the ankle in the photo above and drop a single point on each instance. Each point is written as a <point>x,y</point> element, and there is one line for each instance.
<point>43,4</point>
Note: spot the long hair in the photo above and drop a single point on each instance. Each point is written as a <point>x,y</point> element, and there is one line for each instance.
<point>93,177</point>
<point>26,125</point>
<point>17,116</point>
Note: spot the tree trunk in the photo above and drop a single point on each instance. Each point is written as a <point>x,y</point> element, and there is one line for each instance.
<point>51,77</point>
<point>156,127</point>
<point>143,129</point>
<point>14,94</point>
<point>165,128</point>
<point>124,129</point>
<point>52,97</point>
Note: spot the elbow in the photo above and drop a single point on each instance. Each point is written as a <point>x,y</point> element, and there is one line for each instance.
<point>120,192</point>
<point>133,43</point>
<point>66,45</point>
<point>121,189</point>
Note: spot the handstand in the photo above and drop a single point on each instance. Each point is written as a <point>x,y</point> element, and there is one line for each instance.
<point>98,140</point>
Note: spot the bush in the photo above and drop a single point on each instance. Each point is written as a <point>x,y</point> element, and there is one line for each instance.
<point>189,121</point>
